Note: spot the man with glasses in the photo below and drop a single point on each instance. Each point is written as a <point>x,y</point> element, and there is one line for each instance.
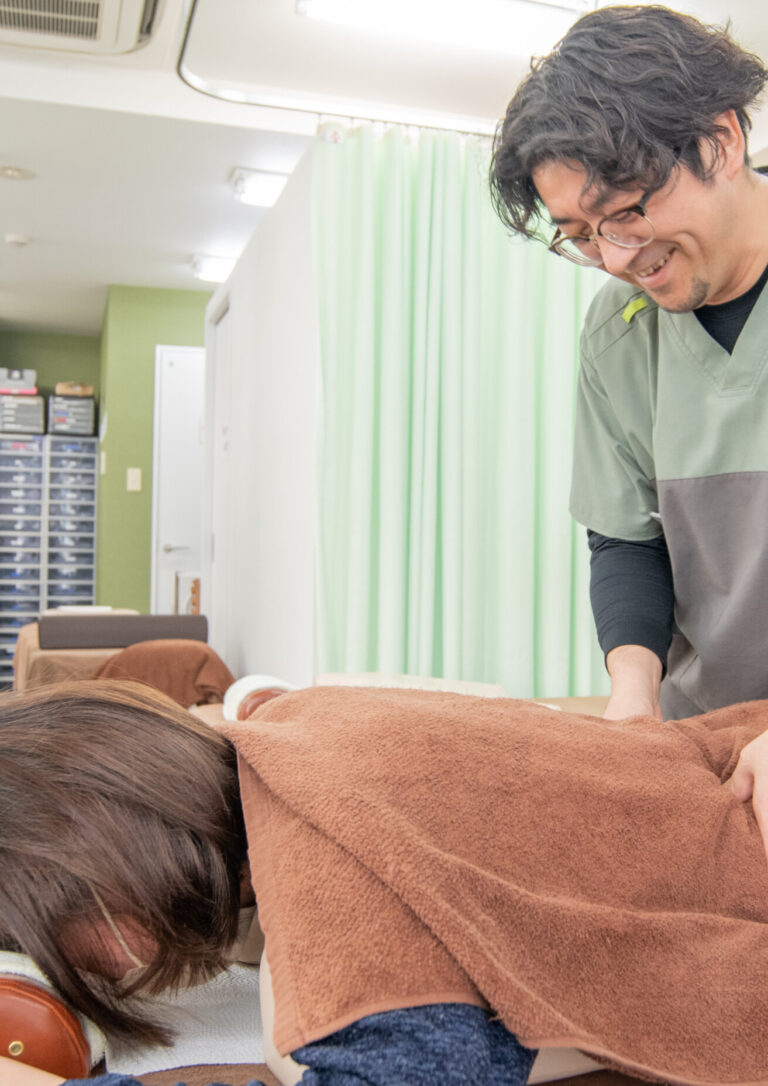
<point>630,140</point>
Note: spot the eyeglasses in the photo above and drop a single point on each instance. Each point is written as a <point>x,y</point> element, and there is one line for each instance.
<point>629,229</point>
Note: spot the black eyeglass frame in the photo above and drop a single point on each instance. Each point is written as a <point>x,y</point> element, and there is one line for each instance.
<point>559,238</point>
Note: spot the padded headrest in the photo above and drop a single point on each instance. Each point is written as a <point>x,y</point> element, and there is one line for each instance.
<point>37,1027</point>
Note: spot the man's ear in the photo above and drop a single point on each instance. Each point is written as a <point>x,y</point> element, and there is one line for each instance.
<point>732,144</point>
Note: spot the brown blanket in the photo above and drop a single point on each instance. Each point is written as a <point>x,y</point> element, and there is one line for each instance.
<point>592,882</point>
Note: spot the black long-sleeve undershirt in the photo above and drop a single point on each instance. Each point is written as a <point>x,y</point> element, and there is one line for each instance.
<point>631,585</point>
<point>632,593</point>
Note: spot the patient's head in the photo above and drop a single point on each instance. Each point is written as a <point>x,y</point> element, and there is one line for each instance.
<point>121,844</point>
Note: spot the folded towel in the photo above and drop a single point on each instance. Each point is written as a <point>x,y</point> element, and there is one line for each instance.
<point>590,881</point>
<point>188,671</point>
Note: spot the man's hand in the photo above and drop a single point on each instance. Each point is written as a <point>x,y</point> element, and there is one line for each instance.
<point>750,781</point>
<point>13,1073</point>
<point>635,680</point>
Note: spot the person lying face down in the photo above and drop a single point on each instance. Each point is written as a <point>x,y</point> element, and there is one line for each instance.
<point>444,882</point>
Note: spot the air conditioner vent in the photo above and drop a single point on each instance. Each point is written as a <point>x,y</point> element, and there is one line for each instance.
<point>63,18</point>
<point>148,18</point>
<point>85,26</point>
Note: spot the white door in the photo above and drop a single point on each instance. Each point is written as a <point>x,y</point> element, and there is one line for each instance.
<point>177,475</point>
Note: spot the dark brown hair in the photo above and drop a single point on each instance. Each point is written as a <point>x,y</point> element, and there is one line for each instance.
<point>109,790</point>
<point>631,93</point>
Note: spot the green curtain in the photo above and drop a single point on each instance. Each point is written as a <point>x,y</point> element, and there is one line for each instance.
<point>448,371</point>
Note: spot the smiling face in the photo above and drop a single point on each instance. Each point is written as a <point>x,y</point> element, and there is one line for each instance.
<point>709,243</point>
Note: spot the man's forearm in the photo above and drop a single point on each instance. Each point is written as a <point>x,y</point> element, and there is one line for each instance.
<point>635,673</point>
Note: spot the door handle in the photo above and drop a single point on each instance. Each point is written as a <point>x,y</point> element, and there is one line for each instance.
<point>168,547</point>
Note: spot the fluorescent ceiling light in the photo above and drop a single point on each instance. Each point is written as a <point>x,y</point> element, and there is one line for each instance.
<point>212,269</point>
<point>520,27</point>
<point>258,187</point>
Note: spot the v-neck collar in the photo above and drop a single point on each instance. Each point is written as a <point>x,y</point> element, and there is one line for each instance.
<point>730,373</point>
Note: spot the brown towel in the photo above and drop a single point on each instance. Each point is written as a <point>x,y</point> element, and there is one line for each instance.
<point>190,672</point>
<point>592,882</point>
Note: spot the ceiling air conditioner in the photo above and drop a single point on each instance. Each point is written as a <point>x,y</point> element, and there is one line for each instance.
<point>82,26</point>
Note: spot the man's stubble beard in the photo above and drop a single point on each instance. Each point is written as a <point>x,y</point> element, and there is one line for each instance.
<point>697,296</point>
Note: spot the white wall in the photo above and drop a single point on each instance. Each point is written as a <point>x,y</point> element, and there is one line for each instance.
<point>258,569</point>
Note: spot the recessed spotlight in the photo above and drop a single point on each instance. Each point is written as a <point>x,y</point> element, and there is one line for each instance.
<point>17,173</point>
<point>212,269</point>
<point>258,187</point>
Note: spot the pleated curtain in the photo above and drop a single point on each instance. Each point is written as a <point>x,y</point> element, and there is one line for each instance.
<point>449,356</point>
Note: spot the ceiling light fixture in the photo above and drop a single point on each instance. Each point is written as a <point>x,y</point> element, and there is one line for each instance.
<point>212,269</point>
<point>258,187</point>
<point>520,27</point>
<point>16,173</point>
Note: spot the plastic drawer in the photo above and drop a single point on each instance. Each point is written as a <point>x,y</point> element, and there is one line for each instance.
<point>14,605</point>
<point>71,509</point>
<point>12,477</point>
<point>79,462</point>
<point>29,557</point>
<point>21,492</point>
<point>78,543</point>
<point>70,558</point>
<point>28,525</point>
<point>19,509</point>
<point>72,445</point>
<point>19,540</point>
<point>21,460</point>
<point>69,573</point>
<point>72,478</point>
<point>72,494</point>
<point>27,590</point>
<point>19,573</point>
<point>21,445</point>
<point>70,525</point>
<point>63,587</point>
<point>13,623</point>
<point>66,558</point>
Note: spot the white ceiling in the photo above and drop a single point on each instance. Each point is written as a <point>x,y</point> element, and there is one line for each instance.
<point>131,163</point>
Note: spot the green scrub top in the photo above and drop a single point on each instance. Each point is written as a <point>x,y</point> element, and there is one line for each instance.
<point>672,436</point>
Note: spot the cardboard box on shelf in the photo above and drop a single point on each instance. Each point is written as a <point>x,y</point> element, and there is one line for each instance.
<point>73,388</point>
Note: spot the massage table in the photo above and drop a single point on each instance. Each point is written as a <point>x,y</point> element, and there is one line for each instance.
<point>75,645</point>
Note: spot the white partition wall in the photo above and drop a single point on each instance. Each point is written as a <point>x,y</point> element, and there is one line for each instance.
<point>259,488</point>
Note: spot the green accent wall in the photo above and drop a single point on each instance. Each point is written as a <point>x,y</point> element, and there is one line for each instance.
<point>55,357</point>
<point>137,319</point>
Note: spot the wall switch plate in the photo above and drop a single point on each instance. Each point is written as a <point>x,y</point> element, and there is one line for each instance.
<point>133,479</point>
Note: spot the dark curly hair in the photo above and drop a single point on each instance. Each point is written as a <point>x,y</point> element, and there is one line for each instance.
<point>630,93</point>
